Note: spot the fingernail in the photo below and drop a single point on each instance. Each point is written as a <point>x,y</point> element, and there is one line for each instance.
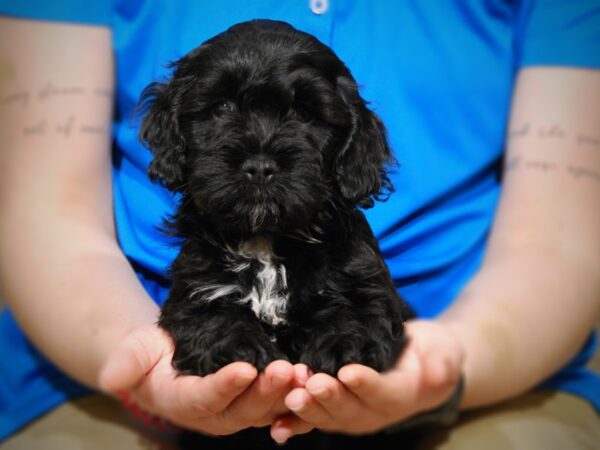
<point>296,406</point>
<point>280,434</point>
<point>301,374</point>
<point>278,381</point>
<point>242,380</point>
<point>322,393</point>
<point>350,381</point>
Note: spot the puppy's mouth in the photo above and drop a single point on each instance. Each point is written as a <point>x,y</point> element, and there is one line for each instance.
<point>260,208</point>
<point>263,215</point>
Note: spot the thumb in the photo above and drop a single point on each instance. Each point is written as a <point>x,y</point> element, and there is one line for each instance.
<point>133,358</point>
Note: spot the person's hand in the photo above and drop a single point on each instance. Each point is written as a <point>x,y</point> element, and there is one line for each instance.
<point>234,398</point>
<point>361,400</point>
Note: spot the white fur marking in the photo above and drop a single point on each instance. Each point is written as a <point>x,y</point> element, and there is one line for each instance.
<point>266,300</point>
<point>216,291</point>
<point>268,296</point>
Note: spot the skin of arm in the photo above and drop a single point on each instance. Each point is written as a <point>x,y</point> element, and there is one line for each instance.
<point>536,296</point>
<point>58,247</point>
<point>65,278</point>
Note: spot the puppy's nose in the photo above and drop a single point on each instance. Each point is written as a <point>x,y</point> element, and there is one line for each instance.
<point>260,169</point>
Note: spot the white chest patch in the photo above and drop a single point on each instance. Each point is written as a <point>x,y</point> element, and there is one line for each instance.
<point>268,295</point>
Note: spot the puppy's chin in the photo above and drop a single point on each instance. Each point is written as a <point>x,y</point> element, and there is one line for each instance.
<point>260,218</point>
<point>263,217</point>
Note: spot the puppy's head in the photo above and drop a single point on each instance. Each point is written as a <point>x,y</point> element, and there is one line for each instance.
<point>261,128</point>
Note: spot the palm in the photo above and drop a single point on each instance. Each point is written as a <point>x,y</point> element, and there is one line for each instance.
<point>231,399</point>
<point>360,400</point>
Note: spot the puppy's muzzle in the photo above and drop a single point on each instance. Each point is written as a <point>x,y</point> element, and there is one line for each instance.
<point>260,169</point>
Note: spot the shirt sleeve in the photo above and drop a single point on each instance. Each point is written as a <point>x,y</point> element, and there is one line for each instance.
<point>71,11</point>
<point>558,32</point>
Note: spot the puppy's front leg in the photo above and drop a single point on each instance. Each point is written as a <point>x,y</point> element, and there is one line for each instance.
<point>368,332</point>
<point>353,313</point>
<point>208,335</point>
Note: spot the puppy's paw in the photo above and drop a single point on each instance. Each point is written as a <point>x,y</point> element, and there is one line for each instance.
<point>208,353</point>
<point>329,353</point>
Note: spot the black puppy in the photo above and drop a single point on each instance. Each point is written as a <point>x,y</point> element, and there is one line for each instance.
<point>263,132</point>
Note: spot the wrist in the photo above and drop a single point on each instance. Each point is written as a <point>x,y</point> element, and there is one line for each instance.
<point>120,332</point>
<point>445,414</point>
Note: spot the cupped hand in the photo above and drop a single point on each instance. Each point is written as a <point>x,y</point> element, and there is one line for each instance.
<point>361,400</point>
<point>233,398</point>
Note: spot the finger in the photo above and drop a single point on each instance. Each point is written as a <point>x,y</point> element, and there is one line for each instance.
<point>191,401</point>
<point>307,408</point>
<point>214,393</point>
<point>301,375</point>
<point>138,353</point>
<point>259,399</point>
<point>277,410</point>
<point>288,426</point>
<point>393,391</point>
<point>190,395</point>
<point>334,397</point>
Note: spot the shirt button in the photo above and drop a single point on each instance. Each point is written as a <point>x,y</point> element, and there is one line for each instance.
<point>319,6</point>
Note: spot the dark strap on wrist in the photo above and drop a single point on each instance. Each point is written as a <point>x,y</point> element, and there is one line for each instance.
<point>444,415</point>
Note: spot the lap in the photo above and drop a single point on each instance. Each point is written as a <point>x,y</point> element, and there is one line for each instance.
<point>538,420</point>
<point>94,422</point>
<point>545,420</point>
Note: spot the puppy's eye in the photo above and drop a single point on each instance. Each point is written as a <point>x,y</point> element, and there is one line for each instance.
<point>224,107</point>
<point>301,114</point>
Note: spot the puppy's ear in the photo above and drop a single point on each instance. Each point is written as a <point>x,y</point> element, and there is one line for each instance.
<point>160,132</point>
<point>360,166</point>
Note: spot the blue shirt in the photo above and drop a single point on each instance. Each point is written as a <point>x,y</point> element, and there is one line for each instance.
<point>439,73</point>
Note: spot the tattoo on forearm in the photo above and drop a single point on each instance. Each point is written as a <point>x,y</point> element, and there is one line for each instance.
<point>544,166</point>
<point>519,132</point>
<point>583,173</point>
<point>586,139</point>
<point>20,98</point>
<point>64,128</point>
<point>89,129</point>
<point>578,172</point>
<point>512,163</point>
<point>36,129</point>
<point>49,92</point>
<point>554,131</point>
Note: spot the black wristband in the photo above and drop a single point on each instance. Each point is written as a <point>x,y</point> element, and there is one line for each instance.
<point>445,415</point>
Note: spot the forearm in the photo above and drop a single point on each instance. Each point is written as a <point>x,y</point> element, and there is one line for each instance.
<point>74,294</point>
<point>511,343</point>
<point>537,295</point>
<point>61,270</point>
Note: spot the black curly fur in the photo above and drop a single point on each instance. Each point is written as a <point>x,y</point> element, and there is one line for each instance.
<point>265,90</point>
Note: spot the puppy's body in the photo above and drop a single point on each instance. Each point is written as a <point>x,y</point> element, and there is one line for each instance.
<point>263,132</point>
<point>325,304</point>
